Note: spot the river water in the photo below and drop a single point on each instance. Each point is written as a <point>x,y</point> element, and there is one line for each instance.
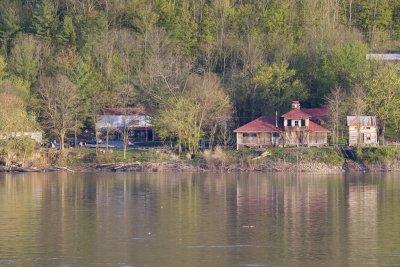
<point>202,219</point>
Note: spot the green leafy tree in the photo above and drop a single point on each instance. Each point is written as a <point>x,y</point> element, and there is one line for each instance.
<point>277,87</point>
<point>142,17</point>
<point>372,15</point>
<point>345,66</point>
<point>383,95</point>
<point>3,65</point>
<point>16,149</point>
<point>13,115</point>
<point>179,121</point>
<point>203,108</point>
<point>176,19</point>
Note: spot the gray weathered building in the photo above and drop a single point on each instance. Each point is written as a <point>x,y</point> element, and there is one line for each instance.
<point>362,130</point>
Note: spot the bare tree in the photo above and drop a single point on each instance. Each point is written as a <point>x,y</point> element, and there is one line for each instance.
<point>358,106</point>
<point>124,99</point>
<point>58,102</point>
<point>335,102</point>
<point>165,70</point>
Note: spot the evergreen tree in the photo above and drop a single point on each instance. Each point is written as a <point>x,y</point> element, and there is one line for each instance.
<point>44,22</point>
<point>66,34</point>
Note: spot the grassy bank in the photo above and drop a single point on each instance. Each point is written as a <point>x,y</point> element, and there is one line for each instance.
<point>292,155</point>
<point>262,158</point>
<point>78,157</point>
<point>379,155</point>
<point>217,159</point>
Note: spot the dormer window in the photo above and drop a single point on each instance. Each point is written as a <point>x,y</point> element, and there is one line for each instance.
<point>296,123</point>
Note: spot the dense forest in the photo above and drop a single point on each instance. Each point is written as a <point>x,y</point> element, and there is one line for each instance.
<point>203,66</point>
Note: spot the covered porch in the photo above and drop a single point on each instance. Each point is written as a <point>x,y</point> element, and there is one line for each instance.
<point>258,139</point>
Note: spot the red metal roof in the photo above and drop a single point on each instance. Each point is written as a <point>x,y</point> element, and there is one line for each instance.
<point>316,113</point>
<point>267,124</point>
<point>296,114</point>
<point>126,111</point>
<point>262,124</point>
<point>314,127</point>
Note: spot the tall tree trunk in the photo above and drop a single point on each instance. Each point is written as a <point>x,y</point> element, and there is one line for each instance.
<point>107,132</point>
<point>62,137</point>
<point>382,132</point>
<point>76,130</point>
<point>97,140</point>
<point>212,136</point>
<point>126,140</point>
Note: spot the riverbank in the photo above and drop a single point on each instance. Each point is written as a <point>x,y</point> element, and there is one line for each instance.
<point>311,160</point>
<point>181,166</point>
<point>322,160</point>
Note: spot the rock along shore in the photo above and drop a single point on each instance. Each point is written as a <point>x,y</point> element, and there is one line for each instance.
<point>181,166</point>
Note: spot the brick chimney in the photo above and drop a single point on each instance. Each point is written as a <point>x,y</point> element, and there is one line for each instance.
<point>295,104</point>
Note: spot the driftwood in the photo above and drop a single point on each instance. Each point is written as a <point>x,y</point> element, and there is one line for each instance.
<point>29,169</point>
<point>18,169</point>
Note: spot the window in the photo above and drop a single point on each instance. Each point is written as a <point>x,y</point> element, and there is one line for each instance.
<point>289,122</point>
<point>368,128</point>
<point>296,123</point>
<point>249,134</point>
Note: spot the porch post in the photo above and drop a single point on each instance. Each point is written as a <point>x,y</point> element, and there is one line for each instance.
<point>237,141</point>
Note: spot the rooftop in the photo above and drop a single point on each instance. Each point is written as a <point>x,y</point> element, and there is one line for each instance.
<point>267,124</point>
<point>262,124</point>
<point>140,111</point>
<point>384,57</point>
<point>296,114</point>
<point>316,112</point>
<point>363,120</point>
<point>314,127</point>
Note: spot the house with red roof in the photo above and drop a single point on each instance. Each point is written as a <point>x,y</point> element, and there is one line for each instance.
<point>294,128</point>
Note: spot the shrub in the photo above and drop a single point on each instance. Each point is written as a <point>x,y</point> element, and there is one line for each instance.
<point>15,151</point>
<point>379,155</point>
<point>215,159</point>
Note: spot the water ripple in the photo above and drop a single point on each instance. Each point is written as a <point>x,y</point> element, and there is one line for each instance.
<point>222,246</point>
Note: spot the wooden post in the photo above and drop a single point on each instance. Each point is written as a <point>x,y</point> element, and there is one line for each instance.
<point>237,141</point>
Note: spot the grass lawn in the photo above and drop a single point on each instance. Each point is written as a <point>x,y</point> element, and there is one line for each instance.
<point>88,155</point>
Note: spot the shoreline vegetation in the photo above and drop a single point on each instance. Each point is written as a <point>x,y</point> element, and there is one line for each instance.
<point>290,160</point>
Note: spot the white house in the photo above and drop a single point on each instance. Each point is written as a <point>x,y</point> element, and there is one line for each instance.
<point>136,120</point>
<point>37,136</point>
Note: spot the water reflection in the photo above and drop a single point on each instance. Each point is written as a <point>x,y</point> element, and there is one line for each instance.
<point>210,219</point>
